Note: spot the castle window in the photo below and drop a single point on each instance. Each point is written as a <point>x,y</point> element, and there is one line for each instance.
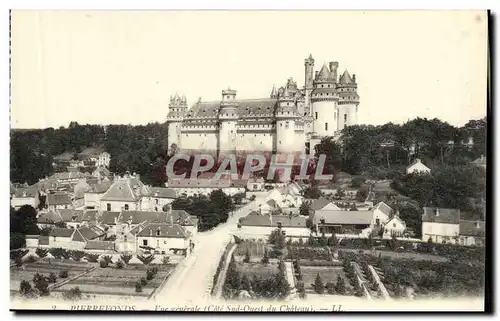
<point>286,125</point>
<point>315,116</point>
<point>326,126</point>
<point>345,117</point>
<point>281,125</point>
<point>126,207</point>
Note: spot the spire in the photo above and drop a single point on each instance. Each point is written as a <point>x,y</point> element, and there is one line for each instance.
<point>324,73</point>
<point>273,92</point>
<point>310,56</point>
<point>345,78</point>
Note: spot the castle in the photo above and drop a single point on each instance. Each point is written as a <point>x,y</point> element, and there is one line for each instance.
<point>291,119</point>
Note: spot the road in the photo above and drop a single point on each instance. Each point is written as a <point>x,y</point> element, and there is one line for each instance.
<point>190,283</point>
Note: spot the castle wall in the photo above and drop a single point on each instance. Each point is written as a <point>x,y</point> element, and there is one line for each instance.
<point>174,133</point>
<point>199,140</point>
<point>347,115</point>
<point>248,140</point>
<point>324,112</point>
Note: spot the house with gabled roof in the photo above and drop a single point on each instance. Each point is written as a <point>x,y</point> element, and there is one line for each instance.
<point>92,197</point>
<point>472,233</point>
<point>28,195</point>
<point>323,203</point>
<point>441,225</point>
<point>382,213</point>
<point>255,225</point>
<point>159,197</point>
<point>58,200</point>
<point>124,194</point>
<point>417,167</point>
<point>160,238</point>
<point>395,226</point>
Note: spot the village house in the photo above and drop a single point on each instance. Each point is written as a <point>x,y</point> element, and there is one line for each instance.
<point>158,198</point>
<point>441,225</point>
<point>161,238</point>
<point>417,167</point>
<point>58,200</point>
<point>255,225</point>
<point>124,194</point>
<point>472,233</point>
<point>395,226</point>
<point>74,239</point>
<point>68,177</point>
<point>100,247</point>
<point>24,196</point>
<point>109,221</point>
<point>342,222</point>
<point>323,203</point>
<point>255,184</point>
<point>204,184</point>
<point>103,159</point>
<point>382,213</point>
<point>102,173</point>
<point>92,197</point>
<point>126,241</point>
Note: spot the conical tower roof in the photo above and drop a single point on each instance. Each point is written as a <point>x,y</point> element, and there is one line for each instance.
<point>345,78</point>
<point>324,73</point>
<point>274,92</point>
<point>286,94</point>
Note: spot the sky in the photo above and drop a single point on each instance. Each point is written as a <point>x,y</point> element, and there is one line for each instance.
<point>120,67</point>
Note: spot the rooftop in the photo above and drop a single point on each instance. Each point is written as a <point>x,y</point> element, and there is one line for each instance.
<point>441,215</point>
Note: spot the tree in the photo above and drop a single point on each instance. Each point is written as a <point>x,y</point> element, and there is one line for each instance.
<point>22,223</point>
<point>165,260</point>
<point>319,286</point>
<point>52,278</point>
<point>312,192</point>
<point>305,209</point>
<point>330,287</point>
<point>265,258</point>
<point>42,286</point>
<point>73,294</point>
<point>340,286</point>
<point>77,255</point>
<point>25,289</point>
<point>103,264</point>
<point>93,258</point>
<point>41,252</point>
<point>120,264</point>
<point>138,286</point>
<point>277,239</point>
<point>247,256</point>
<point>146,259</point>
<point>126,258</point>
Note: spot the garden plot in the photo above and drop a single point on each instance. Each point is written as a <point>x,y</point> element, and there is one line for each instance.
<point>119,282</point>
<point>256,249</point>
<point>328,274</point>
<point>257,269</point>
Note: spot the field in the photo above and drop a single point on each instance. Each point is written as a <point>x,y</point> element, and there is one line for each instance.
<point>42,266</point>
<point>120,282</point>
<point>328,274</point>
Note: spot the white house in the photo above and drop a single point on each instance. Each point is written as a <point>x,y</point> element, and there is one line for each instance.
<point>158,198</point>
<point>25,196</point>
<point>161,238</point>
<point>104,159</point>
<point>395,226</point>
<point>58,200</point>
<point>442,225</point>
<point>92,197</point>
<point>323,204</point>
<point>255,184</point>
<point>417,167</point>
<point>124,194</point>
<point>472,233</point>
<point>382,213</point>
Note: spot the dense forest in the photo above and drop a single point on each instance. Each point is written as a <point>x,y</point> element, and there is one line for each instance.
<point>378,151</point>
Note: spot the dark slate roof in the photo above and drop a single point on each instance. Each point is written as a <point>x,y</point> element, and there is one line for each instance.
<point>162,192</point>
<point>31,191</point>
<point>384,208</point>
<point>472,228</point>
<point>62,232</point>
<point>58,199</point>
<point>319,203</point>
<point>346,78</point>
<point>100,245</point>
<point>137,217</point>
<point>50,217</point>
<point>85,234</point>
<point>123,190</point>
<point>70,215</point>
<point>245,107</point>
<point>165,230</point>
<point>68,175</point>
<point>344,217</point>
<point>182,217</point>
<point>89,216</point>
<point>108,218</point>
<point>446,215</point>
<point>255,219</point>
<point>43,240</point>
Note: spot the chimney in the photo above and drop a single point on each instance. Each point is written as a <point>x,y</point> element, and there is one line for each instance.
<point>333,69</point>
<point>150,232</point>
<point>437,211</point>
<point>316,74</point>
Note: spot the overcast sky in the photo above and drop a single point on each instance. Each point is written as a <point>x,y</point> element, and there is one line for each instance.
<point>112,67</point>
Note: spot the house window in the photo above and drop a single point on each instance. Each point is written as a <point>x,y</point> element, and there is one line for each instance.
<point>145,242</point>
<point>126,207</point>
<point>393,224</point>
<point>108,207</point>
<point>156,201</point>
<point>157,243</point>
<point>316,115</point>
<point>326,126</point>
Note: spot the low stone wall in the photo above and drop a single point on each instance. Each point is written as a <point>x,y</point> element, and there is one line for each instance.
<point>222,275</point>
<point>160,287</point>
<point>383,291</point>
<point>57,285</point>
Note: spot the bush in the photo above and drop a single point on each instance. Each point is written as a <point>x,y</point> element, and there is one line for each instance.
<point>103,263</point>
<point>77,255</point>
<point>138,286</point>
<point>126,258</point>
<point>120,265</point>
<point>63,274</point>
<point>165,260</point>
<point>37,277</point>
<point>42,286</point>
<point>25,288</point>
<point>143,281</point>
<point>149,275</point>
<point>319,286</point>
<point>92,258</point>
<point>52,278</point>
<point>108,259</point>
<point>41,252</point>
<point>73,294</point>
<point>65,254</point>
<point>247,256</point>
<point>252,198</point>
<point>340,286</point>
<point>330,287</point>
<point>56,252</point>
<point>146,259</point>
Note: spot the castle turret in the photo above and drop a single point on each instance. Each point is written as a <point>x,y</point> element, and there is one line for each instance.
<point>177,109</point>
<point>308,82</point>
<point>274,93</point>
<point>228,118</point>
<point>286,116</point>
<point>324,100</point>
<point>348,101</point>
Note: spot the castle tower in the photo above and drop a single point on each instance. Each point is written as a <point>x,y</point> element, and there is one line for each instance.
<point>177,109</point>
<point>228,118</point>
<point>348,101</point>
<point>324,99</point>
<point>308,82</point>
<point>285,124</point>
